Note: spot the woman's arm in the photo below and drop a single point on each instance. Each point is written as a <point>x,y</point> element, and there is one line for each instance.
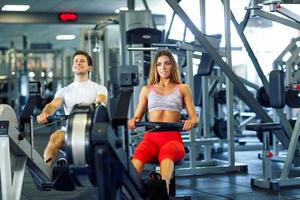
<point>188,101</point>
<point>141,108</point>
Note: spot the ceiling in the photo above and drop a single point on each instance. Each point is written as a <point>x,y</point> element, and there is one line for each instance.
<point>44,28</point>
<point>12,33</point>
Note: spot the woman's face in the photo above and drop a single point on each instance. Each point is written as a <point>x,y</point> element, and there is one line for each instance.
<point>164,66</point>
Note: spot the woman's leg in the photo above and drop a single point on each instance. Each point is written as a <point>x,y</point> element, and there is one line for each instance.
<point>170,152</point>
<point>144,152</point>
<point>56,142</point>
<point>139,166</point>
<point>166,171</point>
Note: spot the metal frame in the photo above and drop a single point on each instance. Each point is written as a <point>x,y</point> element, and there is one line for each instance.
<point>284,138</point>
<point>284,11</point>
<point>22,153</point>
<point>245,94</point>
<point>11,189</point>
<point>267,181</point>
<point>222,166</point>
<point>272,17</point>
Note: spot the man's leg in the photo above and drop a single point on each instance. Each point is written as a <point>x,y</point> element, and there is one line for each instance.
<point>56,142</point>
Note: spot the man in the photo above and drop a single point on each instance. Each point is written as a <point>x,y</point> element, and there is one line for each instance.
<point>81,91</point>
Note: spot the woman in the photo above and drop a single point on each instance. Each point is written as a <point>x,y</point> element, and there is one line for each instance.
<point>164,97</point>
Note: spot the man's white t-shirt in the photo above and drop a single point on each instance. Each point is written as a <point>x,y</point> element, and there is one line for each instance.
<point>80,92</point>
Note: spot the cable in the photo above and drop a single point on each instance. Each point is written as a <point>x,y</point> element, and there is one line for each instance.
<point>54,122</point>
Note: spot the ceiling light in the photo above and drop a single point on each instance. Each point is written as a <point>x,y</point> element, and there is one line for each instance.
<point>15,7</point>
<point>121,9</point>
<point>50,74</point>
<point>97,48</point>
<point>31,74</point>
<point>65,37</point>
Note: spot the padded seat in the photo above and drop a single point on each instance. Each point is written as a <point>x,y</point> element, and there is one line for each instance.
<point>262,127</point>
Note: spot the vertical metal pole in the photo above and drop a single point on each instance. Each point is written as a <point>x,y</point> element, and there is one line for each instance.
<point>291,150</point>
<point>205,96</point>
<point>190,82</point>
<point>31,135</point>
<point>55,64</point>
<point>229,86</point>
<point>25,47</point>
<point>267,169</point>
<point>5,168</point>
<point>18,178</point>
<point>124,52</point>
<point>131,4</point>
<point>62,69</point>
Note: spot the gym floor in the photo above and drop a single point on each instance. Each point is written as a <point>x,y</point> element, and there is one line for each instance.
<point>208,187</point>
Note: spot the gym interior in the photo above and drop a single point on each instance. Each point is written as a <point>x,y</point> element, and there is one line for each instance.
<point>240,59</point>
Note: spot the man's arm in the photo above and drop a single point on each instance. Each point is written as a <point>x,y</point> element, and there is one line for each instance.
<point>101,98</point>
<point>49,110</point>
<point>102,94</point>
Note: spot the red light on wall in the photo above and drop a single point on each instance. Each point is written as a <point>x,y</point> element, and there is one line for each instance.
<point>68,17</point>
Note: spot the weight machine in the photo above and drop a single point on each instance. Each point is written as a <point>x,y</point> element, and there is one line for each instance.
<point>277,101</point>
<point>99,158</point>
<point>17,151</point>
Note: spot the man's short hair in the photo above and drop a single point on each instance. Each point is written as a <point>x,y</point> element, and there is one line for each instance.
<point>88,57</point>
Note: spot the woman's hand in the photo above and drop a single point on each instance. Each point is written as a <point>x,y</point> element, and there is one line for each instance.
<point>189,124</point>
<point>132,123</point>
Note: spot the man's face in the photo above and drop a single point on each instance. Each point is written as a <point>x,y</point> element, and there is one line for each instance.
<point>80,65</point>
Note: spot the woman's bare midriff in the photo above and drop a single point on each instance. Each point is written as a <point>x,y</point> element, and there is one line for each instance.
<point>164,116</point>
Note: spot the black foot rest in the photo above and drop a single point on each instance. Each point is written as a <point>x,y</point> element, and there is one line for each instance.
<point>271,126</point>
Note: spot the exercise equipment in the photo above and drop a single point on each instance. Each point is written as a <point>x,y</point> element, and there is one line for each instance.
<point>267,181</point>
<point>206,64</point>
<point>220,96</point>
<point>262,97</point>
<point>99,158</point>
<point>277,89</point>
<point>157,126</point>
<point>265,129</point>
<point>164,126</point>
<point>14,146</point>
<point>220,128</point>
<point>292,98</point>
<point>98,149</point>
<point>260,136</point>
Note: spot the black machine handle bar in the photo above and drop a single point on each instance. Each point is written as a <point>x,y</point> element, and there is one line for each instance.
<point>57,118</point>
<point>172,126</point>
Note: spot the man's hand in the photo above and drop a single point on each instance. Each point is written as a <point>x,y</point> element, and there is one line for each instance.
<point>49,110</point>
<point>43,118</point>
